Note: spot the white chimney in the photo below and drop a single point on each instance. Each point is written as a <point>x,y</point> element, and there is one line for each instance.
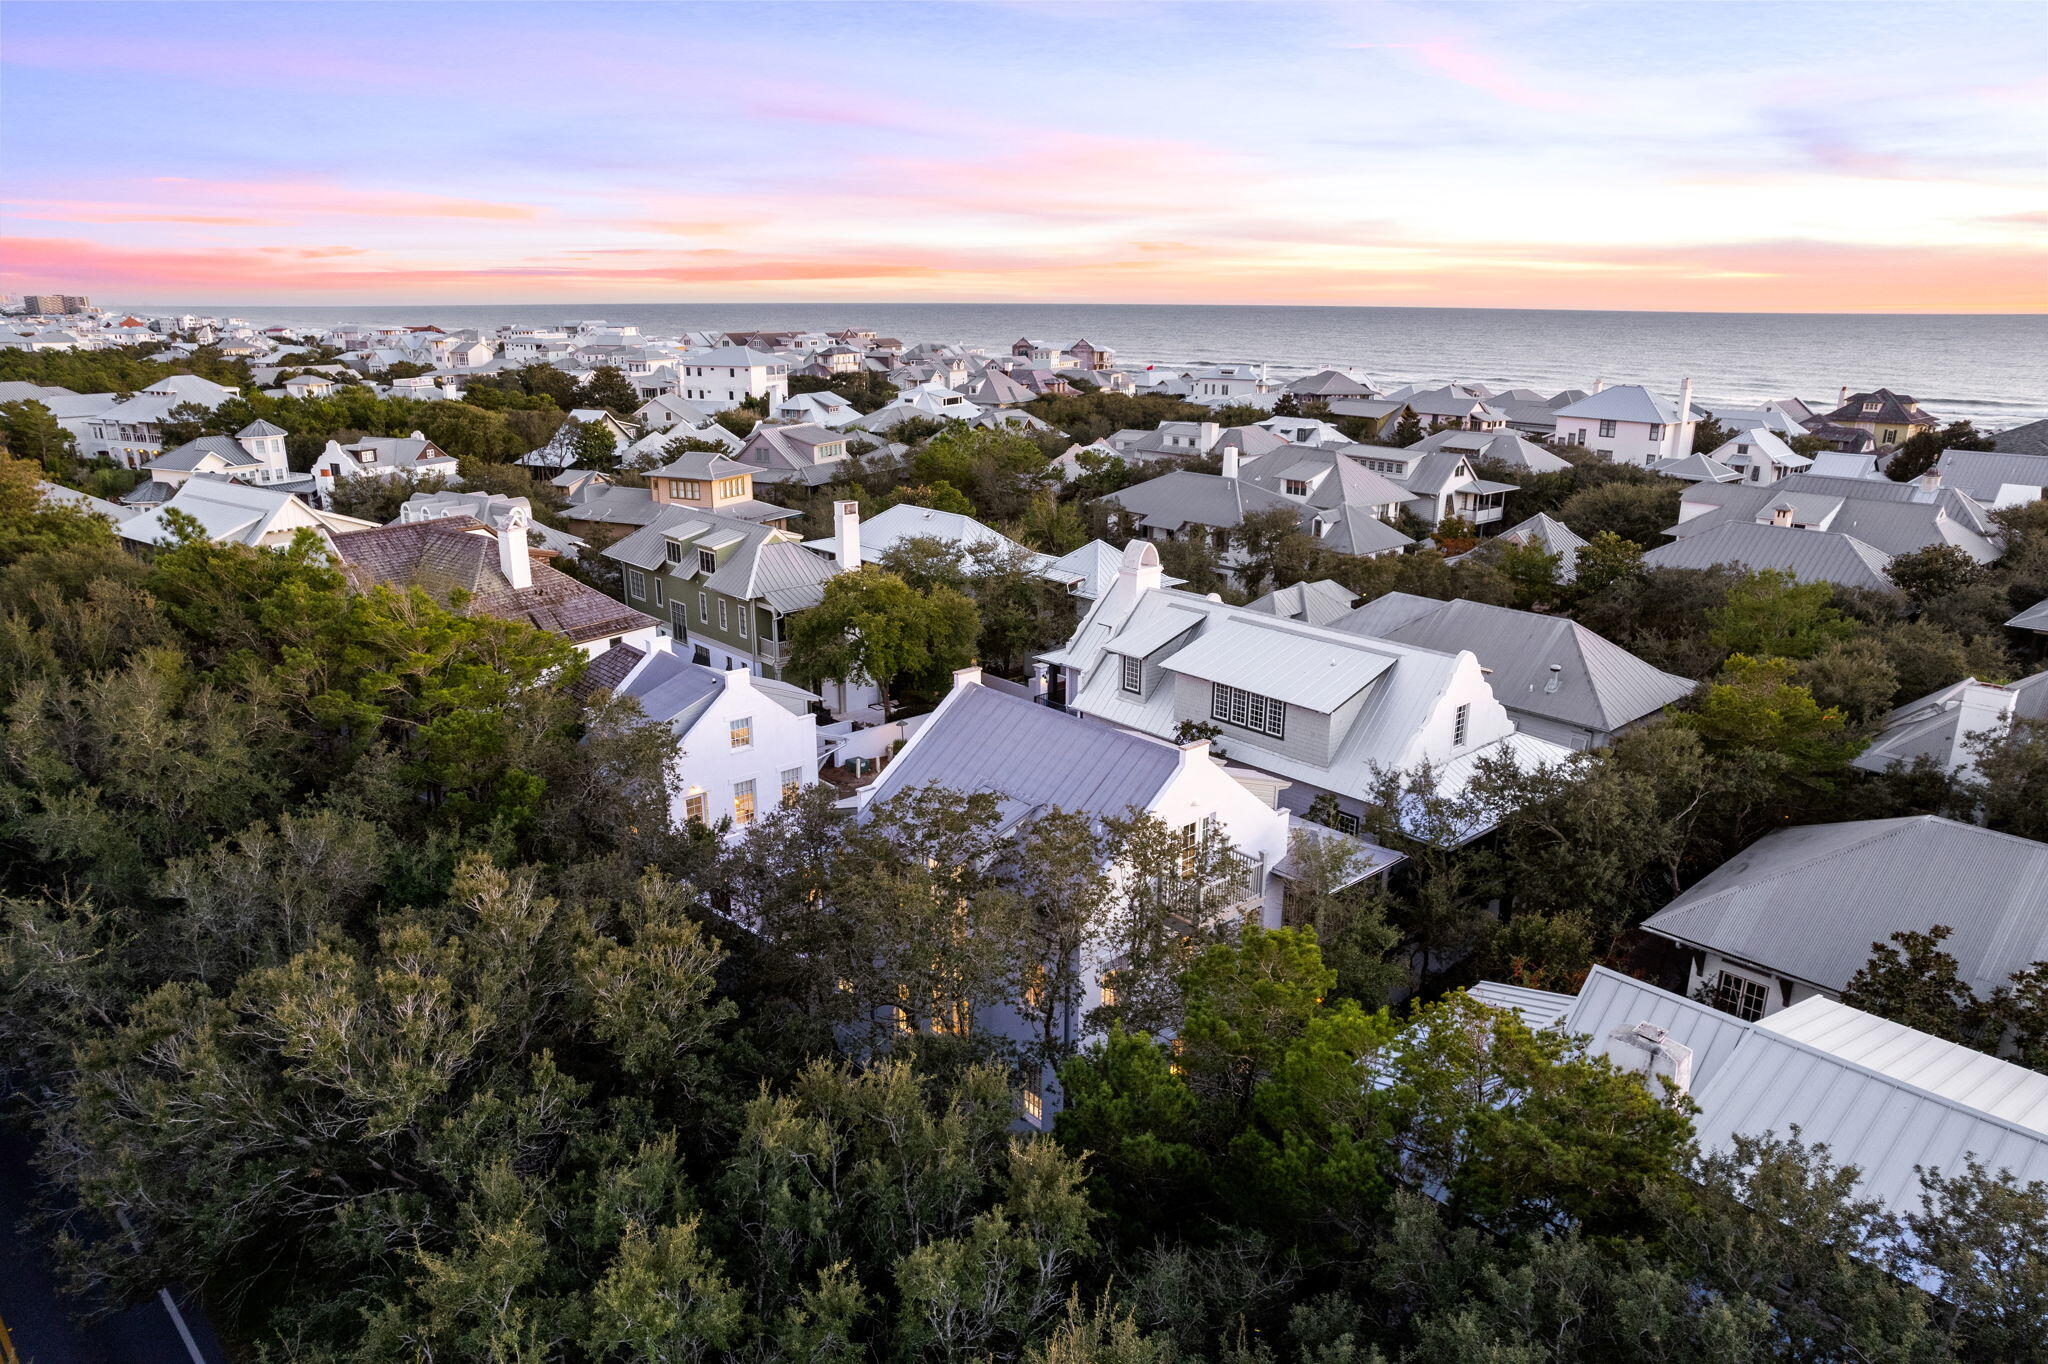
<point>514,559</point>
<point>1138,573</point>
<point>1041,680</point>
<point>1230,457</point>
<point>966,677</point>
<point>1930,482</point>
<point>1206,434</point>
<point>846,535</point>
<point>1599,385</point>
<point>1680,446</point>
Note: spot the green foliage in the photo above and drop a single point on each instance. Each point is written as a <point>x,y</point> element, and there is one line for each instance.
<point>999,470</point>
<point>28,431</point>
<point>1634,511</point>
<point>1772,615</point>
<point>1091,416</point>
<point>119,369</point>
<point>1757,703</point>
<point>1937,571</point>
<point>866,390</point>
<point>874,627</point>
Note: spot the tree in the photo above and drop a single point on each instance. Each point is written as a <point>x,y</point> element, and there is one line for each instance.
<point>609,389</point>
<point>1758,703</point>
<point>28,431</point>
<point>591,445</point>
<point>1853,676</point>
<point>1408,431</point>
<point>1925,575</point>
<point>998,469</point>
<point>1709,435</point>
<point>1918,984</point>
<point>1770,614</point>
<point>184,423</point>
<point>1603,561</point>
<point>1924,449</point>
<point>1633,511</point>
<point>873,627</point>
<point>1257,538</point>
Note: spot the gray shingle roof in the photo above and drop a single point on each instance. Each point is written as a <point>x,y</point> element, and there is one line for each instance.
<point>1808,902</point>
<point>2031,439</point>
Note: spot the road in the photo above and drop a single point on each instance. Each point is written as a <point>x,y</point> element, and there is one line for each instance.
<point>36,1320</point>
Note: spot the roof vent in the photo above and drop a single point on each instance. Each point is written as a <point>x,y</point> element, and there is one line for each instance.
<point>1664,1056</point>
<point>1556,678</point>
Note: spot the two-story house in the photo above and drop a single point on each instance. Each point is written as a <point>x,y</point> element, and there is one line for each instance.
<point>805,454</point>
<point>1630,425</point>
<point>382,457</point>
<point>730,375</point>
<point>746,744</point>
<point>824,408</point>
<point>255,454</point>
<point>130,430</point>
<point>1890,418</point>
<point>984,738</point>
<point>1317,708</point>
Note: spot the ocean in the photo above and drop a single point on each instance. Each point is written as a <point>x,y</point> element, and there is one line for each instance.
<point>1991,369</point>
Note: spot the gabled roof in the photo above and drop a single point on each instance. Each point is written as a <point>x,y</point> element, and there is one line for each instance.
<point>195,452</point>
<point>448,555</point>
<point>1035,757</point>
<point>1329,383</point>
<point>1808,902</point>
<point>1892,518</point>
<point>2035,617</point>
<point>1993,478</point>
<point>1695,468</point>
<point>1883,1098</point>
<point>1941,725</point>
<point>1598,685</point>
<point>1626,403</point>
<point>1540,529</point>
<point>259,427</point>
<point>892,525</point>
<point>1808,555</point>
<point>1317,603</point>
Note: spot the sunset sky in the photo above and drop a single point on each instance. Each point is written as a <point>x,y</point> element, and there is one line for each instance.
<point>1739,157</point>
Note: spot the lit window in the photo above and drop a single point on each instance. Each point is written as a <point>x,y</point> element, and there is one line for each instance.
<point>707,561</point>
<point>743,802</point>
<point>693,807</point>
<point>1034,1106</point>
<point>1740,996</point>
<point>1248,710</point>
<point>792,782</point>
<point>1192,838</point>
<point>741,731</point>
<point>636,583</point>
<point>1108,992</point>
<point>1134,673</point>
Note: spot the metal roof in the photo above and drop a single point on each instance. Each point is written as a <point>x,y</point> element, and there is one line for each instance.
<point>1810,902</point>
<point>2035,617</point>
<point>1538,1008</point>
<point>1599,685</point>
<point>1035,756</point>
<point>1808,555</point>
<point>1320,674</point>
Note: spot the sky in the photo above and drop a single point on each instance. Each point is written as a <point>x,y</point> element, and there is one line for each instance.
<point>1714,157</point>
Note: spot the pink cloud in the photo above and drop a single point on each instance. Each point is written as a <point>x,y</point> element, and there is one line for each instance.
<point>1482,71</point>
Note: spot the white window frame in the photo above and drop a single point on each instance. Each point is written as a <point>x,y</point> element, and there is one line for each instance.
<point>636,584</point>
<point>1133,677</point>
<point>1248,710</point>
<point>1461,725</point>
<point>743,814</point>
<point>740,732</point>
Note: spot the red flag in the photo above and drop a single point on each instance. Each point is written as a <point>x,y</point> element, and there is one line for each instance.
<point>1148,367</point>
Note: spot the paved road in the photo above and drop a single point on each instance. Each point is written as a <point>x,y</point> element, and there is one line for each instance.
<point>36,1319</point>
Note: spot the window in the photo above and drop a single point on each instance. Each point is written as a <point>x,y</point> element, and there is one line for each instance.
<point>1739,995</point>
<point>743,802</point>
<point>1192,838</point>
<point>687,488</point>
<point>1656,431</point>
<point>1134,673</point>
<point>723,624</point>
<point>693,807</point>
<point>678,617</point>
<point>675,551</point>
<point>792,782</point>
<point>1248,710</point>
<point>1347,823</point>
<point>732,487</point>
<point>1034,1106</point>
<point>1891,438</point>
<point>1294,487</point>
<point>707,561</point>
<point>742,731</point>
<point>1579,436</point>
<point>1460,725</point>
<point>1606,428</point>
<point>636,583</point>
<point>744,612</point>
<point>1873,407</point>
<point>1108,992</point>
<point>703,608</point>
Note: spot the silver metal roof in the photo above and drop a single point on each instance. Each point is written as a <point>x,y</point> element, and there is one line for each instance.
<point>1320,674</point>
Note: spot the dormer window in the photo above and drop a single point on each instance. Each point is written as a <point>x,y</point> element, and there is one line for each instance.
<point>675,552</point>
<point>1295,487</point>
<point>707,561</point>
<point>1133,673</point>
<point>1873,407</point>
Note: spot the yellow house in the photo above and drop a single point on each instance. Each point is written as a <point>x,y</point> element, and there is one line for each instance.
<point>1891,418</point>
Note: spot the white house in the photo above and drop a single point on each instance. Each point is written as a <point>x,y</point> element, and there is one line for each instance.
<point>1034,758</point>
<point>1630,425</point>
<point>381,457</point>
<point>236,513</point>
<point>730,375</point>
<point>1230,381</point>
<point>818,409</point>
<point>1315,707</point>
<point>130,430</point>
<point>1759,456</point>
<point>255,454</point>
<point>748,744</point>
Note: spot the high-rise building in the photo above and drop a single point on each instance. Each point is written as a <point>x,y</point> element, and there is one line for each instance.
<point>52,305</point>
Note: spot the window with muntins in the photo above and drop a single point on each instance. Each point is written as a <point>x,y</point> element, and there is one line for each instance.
<point>1739,995</point>
<point>1134,674</point>
<point>1248,710</point>
<point>707,561</point>
<point>1607,428</point>
<point>636,583</point>
<point>742,731</point>
<point>743,802</point>
<point>693,807</point>
<point>675,552</point>
<point>792,783</point>
<point>1460,725</point>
